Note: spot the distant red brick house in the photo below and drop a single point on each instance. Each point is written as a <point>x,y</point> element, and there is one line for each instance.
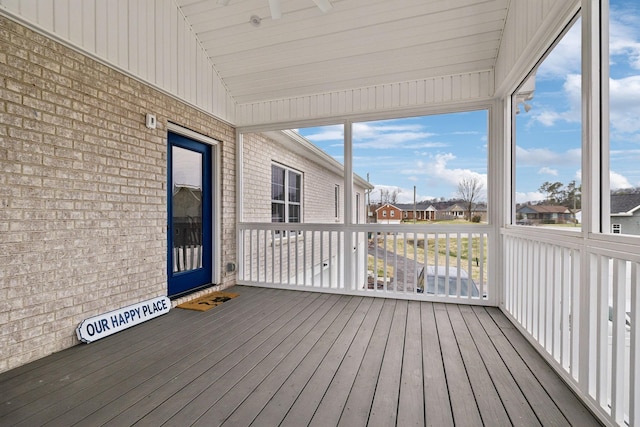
<point>388,214</point>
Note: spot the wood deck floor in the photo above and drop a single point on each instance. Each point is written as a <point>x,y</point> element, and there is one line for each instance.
<point>275,357</point>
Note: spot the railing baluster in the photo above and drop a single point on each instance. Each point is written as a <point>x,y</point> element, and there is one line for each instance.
<point>406,270</point>
<point>395,262</point>
<point>297,266</point>
<point>481,249</point>
<point>618,340</point>
<point>447,266</point>
<point>330,267</point>
<point>634,351</point>
<point>386,260</point>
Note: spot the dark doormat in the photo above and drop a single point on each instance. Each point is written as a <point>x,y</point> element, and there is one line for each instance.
<point>208,301</point>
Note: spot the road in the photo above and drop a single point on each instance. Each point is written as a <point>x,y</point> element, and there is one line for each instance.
<point>402,265</point>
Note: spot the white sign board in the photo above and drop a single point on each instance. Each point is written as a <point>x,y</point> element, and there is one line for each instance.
<point>94,328</point>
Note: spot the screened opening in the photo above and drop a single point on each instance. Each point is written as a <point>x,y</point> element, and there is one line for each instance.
<point>547,139</point>
<point>624,127</point>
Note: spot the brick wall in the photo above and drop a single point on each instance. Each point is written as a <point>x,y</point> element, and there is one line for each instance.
<point>83,191</point>
<point>285,260</point>
<point>259,153</point>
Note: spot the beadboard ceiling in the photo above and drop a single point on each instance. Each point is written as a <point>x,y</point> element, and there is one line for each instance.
<point>357,43</point>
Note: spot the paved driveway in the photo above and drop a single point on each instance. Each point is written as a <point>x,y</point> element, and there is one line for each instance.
<point>405,267</point>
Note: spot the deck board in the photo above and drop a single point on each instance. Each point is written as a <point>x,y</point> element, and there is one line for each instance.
<point>358,405</point>
<point>464,407</point>
<point>277,357</point>
<point>86,399</point>
<point>574,411</point>
<point>384,408</point>
<point>332,405</point>
<point>411,400</point>
<point>514,401</point>
<point>250,407</point>
<point>278,406</point>
<point>303,409</point>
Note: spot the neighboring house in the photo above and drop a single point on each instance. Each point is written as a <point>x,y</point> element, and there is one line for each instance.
<point>456,211</point>
<point>388,214</point>
<point>422,212</point>
<point>459,211</point>
<point>544,214</point>
<point>625,214</point>
<point>481,211</point>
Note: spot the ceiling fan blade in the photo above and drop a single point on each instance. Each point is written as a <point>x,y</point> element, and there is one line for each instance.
<point>274,6</point>
<point>323,5</point>
<point>223,2</point>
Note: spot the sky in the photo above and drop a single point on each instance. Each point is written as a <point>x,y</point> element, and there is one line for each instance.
<point>433,153</point>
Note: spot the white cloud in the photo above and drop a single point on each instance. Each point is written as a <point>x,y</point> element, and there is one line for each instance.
<point>572,114</point>
<point>389,134</point>
<point>617,181</point>
<point>327,133</point>
<point>380,135</point>
<point>625,106</point>
<point>564,62</point>
<point>624,35</point>
<point>548,171</point>
<point>407,140</point>
<point>544,157</point>
<point>532,196</point>
<point>436,170</point>
<point>565,57</point>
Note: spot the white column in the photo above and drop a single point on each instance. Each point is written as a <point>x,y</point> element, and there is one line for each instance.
<point>349,276</point>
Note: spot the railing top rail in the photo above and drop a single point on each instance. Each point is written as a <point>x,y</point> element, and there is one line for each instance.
<point>400,228</point>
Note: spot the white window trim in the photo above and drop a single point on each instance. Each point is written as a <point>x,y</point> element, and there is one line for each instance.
<point>286,202</point>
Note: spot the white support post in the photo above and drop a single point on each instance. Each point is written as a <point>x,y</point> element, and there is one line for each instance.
<point>349,279</point>
<point>595,147</point>
<point>239,208</point>
<point>499,194</point>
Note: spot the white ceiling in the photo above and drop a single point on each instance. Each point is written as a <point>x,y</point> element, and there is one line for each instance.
<point>357,43</point>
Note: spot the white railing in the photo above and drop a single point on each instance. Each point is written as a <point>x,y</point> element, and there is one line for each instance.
<point>576,300</point>
<point>404,261</point>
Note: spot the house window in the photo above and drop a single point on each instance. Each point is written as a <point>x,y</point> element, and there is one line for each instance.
<point>336,202</point>
<point>286,194</point>
<point>384,214</point>
<point>616,228</point>
<point>392,214</point>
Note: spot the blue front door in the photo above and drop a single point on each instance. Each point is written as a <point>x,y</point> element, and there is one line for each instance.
<point>189,257</point>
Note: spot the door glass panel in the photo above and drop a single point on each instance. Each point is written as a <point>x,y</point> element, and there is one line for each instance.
<point>187,209</point>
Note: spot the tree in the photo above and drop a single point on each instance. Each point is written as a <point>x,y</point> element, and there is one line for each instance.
<point>572,196</point>
<point>553,190</point>
<point>470,191</point>
<point>388,196</point>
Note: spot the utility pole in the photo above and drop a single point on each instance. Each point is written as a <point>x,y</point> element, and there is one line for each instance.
<point>368,202</point>
<point>414,204</point>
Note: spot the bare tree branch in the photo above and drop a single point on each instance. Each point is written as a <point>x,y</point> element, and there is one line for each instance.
<point>470,191</point>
